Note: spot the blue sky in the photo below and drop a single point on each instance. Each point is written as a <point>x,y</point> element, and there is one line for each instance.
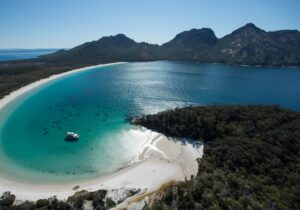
<point>67,23</point>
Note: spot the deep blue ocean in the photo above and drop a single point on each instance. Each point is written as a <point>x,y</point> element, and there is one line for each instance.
<point>19,54</point>
<point>97,102</point>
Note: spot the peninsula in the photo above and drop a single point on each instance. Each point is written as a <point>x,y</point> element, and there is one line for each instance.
<point>251,157</point>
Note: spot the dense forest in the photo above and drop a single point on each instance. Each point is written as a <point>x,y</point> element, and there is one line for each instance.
<point>251,157</point>
<point>14,75</point>
<point>97,199</point>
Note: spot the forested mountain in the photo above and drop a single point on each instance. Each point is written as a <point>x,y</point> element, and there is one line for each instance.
<point>248,45</point>
<point>105,50</point>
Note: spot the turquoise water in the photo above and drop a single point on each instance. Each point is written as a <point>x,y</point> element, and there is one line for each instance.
<point>97,102</point>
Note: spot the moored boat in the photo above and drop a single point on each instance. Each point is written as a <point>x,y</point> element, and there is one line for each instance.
<point>71,136</point>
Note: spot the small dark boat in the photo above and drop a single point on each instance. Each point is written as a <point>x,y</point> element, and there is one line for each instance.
<point>71,136</point>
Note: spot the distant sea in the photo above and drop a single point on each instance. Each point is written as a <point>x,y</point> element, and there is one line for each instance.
<point>97,103</point>
<point>19,54</point>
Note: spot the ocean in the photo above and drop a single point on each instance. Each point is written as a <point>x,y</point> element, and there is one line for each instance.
<point>20,54</point>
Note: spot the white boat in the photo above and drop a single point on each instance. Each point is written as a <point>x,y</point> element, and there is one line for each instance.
<point>72,136</point>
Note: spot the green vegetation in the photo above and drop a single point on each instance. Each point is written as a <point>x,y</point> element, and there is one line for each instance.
<point>7,199</point>
<point>251,157</point>
<point>14,75</point>
<point>98,199</point>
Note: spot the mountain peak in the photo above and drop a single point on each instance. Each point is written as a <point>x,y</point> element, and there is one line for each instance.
<point>199,32</point>
<point>194,37</point>
<point>121,36</point>
<point>248,28</point>
<point>120,40</point>
<point>117,36</point>
<point>251,25</point>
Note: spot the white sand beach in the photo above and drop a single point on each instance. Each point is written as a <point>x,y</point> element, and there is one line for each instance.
<point>160,160</point>
<point>15,94</point>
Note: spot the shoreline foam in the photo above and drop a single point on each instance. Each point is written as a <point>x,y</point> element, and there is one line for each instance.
<point>159,161</point>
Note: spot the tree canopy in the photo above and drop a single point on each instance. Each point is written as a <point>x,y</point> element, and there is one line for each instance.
<point>251,157</point>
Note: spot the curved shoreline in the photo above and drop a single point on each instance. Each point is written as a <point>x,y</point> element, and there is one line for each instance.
<point>160,158</point>
<point>159,161</point>
<point>15,94</point>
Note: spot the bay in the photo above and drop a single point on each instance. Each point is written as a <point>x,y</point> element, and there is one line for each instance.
<point>97,104</point>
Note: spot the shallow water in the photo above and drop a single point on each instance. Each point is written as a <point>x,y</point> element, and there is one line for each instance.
<point>97,102</point>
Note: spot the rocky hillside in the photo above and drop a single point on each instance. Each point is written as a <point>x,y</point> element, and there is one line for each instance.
<point>248,45</point>
<point>190,45</point>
